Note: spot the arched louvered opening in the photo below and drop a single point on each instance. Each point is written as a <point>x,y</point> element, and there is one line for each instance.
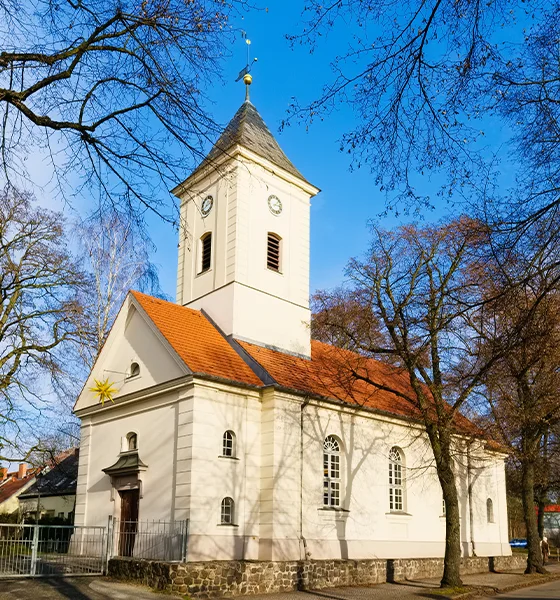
<point>205,252</point>
<point>273,248</point>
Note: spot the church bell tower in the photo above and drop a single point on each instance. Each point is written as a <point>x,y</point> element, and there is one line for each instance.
<point>244,237</point>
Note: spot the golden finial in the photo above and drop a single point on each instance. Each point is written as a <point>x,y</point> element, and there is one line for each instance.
<point>247,80</point>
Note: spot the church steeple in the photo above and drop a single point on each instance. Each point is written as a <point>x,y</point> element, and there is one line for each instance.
<point>244,243</point>
<point>248,129</point>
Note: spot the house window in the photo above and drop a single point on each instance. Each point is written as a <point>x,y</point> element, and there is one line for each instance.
<point>396,480</point>
<point>273,252</point>
<point>489,510</point>
<point>134,370</point>
<point>331,472</point>
<point>228,444</point>
<point>131,441</point>
<point>206,252</point>
<point>443,507</point>
<point>227,511</point>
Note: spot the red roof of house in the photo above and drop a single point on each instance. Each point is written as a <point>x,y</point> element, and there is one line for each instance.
<point>12,485</point>
<point>196,341</point>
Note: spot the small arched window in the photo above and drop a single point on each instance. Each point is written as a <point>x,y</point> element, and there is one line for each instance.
<point>132,441</point>
<point>134,370</point>
<point>331,472</point>
<point>227,512</point>
<point>205,252</point>
<point>489,510</point>
<point>396,480</point>
<point>273,247</point>
<point>228,444</point>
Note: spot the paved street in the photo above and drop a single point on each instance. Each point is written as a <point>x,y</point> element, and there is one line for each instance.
<point>74,588</point>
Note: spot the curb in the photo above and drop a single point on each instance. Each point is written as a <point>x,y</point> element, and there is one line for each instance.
<point>485,592</point>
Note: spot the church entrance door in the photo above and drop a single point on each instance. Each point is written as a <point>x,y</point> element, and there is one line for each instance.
<point>130,500</point>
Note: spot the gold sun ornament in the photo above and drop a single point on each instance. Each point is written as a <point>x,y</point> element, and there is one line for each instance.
<point>104,390</point>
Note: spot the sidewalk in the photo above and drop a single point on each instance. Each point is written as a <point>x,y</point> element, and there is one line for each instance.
<point>484,584</point>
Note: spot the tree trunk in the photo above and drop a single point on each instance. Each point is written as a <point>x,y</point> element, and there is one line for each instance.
<point>534,559</point>
<point>440,439</point>
<point>452,563</point>
<point>540,515</point>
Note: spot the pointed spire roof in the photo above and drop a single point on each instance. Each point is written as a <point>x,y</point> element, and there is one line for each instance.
<point>248,129</point>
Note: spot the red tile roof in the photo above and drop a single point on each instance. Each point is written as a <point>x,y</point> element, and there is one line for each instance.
<point>13,485</point>
<point>196,341</point>
<point>329,373</point>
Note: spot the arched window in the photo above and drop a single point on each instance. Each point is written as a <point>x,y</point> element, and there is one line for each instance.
<point>331,472</point>
<point>134,370</point>
<point>396,480</point>
<point>489,510</point>
<point>205,252</point>
<point>132,441</point>
<point>228,444</point>
<point>227,514</point>
<point>273,252</point>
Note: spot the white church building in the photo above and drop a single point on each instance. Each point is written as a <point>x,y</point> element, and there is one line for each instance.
<point>227,413</point>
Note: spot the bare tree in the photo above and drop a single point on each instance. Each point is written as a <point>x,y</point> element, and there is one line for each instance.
<point>117,254</point>
<point>40,312</point>
<point>416,295</point>
<point>523,385</point>
<point>112,91</point>
<point>431,82</point>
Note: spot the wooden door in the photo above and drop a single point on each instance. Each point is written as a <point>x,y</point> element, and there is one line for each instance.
<point>130,500</point>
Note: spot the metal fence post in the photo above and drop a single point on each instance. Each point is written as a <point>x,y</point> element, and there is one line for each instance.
<point>109,544</point>
<point>185,541</point>
<point>34,548</point>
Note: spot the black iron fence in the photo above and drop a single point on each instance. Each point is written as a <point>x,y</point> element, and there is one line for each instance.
<point>151,540</point>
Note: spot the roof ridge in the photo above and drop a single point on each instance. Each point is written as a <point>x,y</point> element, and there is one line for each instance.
<point>253,364</point>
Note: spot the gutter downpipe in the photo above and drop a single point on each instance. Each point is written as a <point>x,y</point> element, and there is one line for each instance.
<point>469,488</point>
<point>303,541</point>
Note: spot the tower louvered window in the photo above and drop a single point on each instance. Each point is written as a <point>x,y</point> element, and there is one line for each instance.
<point>206,252</point>
<point>273,252</point>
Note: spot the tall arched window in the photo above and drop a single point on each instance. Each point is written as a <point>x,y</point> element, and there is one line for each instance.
<point>132,441</point>
<point>227,513</point>
<point>205,252</point>
<point>228,444</point>
<point>489,510</point>
<point>396,480</point>
<point>273,251</point>
<point>331,472</point>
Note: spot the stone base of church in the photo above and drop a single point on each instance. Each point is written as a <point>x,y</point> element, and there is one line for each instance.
<point>239,577</point>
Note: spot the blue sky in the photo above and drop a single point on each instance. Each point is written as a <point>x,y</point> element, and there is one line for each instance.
<point>339,214</point>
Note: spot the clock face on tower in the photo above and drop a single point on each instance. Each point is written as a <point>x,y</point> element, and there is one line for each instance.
<point>206,206</point>
<point>274,205</point>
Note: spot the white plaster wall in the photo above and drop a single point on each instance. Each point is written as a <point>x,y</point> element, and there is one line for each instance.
<point>277,489</point>
<point>56,504</point>
<point>366,528</point>
<point>155,423</point>
<point>214,477</point>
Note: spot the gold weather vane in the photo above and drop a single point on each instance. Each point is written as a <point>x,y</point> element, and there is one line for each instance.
<point>104,390</point>
<point>245,73</point>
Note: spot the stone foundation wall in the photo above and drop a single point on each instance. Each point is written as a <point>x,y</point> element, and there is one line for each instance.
<point>232,578</point>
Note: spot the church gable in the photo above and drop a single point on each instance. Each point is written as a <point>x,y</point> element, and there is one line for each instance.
<point>134,357</point>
